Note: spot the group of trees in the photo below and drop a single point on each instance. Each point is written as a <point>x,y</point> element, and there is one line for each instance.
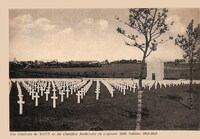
<point>189,43</point>
<point>41,64</point>
<point>124,61</point>
<point>148,25</point>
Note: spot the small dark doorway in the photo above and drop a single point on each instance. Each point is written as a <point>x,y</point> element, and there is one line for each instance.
<point>153,76</point>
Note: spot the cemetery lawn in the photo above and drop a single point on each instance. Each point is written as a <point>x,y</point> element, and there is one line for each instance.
<point>163,109</point>
<point>106,71</point>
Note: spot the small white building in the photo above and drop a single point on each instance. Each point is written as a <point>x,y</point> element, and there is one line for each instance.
<point>155,69</point>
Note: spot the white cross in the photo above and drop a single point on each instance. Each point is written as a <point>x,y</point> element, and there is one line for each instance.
<point>42,90</point>
<point>130,87</point>
<point>32,94</point>
<point>124,90</point>
<point>84,90</point>
<point>21,102</point>
<point>74,86</point>
<point>36,98</point>
<point>134,87</point>
<point>29,88</point>
<point>71,88</point>
<point>54,97</point>
<point>67,92</point>
<point>47,92</point>
<point>82,93</point>
<point>38,88</point>
<point>62,94</point>
<point>121,87</point>
<point>78,96</point>
<point>111,93</point>
<point>97,91</point>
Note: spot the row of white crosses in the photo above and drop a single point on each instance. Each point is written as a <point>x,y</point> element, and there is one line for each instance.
<point>54,97</point>
<point>128,83</point>
<point>20,96</point>
<point>47,91</point>
<point>36,87</point>
<point>82,92</point>
<point>63,87</point>
<point>33,90</point>
<point>131,85</point>
<point>109,87</point>
<point>165,83</point>
<point>97,90</point>
<point>120,85</point>
<point>117,85</point>
<point>124,84</point>
<point>40,87</point>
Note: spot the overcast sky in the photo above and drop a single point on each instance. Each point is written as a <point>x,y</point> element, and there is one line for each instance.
<point>84,34</point>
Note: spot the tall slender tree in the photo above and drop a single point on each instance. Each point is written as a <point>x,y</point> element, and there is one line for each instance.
<point>148,25</point>
<point>190,45</point>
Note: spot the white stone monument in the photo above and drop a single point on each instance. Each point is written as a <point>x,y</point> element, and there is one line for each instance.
<point>155,69</point>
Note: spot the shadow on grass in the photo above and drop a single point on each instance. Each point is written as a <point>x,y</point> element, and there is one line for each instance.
<point>133,114</point>
<point>194,91</point>
<point>176,99</point>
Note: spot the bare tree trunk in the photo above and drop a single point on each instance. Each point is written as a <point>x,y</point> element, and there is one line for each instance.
<point>141,73</point>
<point>191,86</point>
<point>140,92</point>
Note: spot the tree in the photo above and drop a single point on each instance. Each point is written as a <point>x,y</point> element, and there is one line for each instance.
<point>190,45</point>
<point>148,25</point>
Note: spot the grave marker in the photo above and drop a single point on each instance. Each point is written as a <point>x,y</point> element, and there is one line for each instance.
<point>36,98</point>
<point>54,97</point>
<point>21,102</point>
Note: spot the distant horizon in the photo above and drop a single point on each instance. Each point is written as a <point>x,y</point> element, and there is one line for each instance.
<point>87,60</point>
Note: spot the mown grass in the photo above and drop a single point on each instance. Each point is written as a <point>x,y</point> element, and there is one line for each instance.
<point>163,109</point>
<point>106,71</point>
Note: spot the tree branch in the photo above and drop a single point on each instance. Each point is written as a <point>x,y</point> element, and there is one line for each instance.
<point>136,28</point>
<point>149,53</point>
<point>133,45</point>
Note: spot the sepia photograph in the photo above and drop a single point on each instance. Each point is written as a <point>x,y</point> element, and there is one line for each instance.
<point>104,69</point>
